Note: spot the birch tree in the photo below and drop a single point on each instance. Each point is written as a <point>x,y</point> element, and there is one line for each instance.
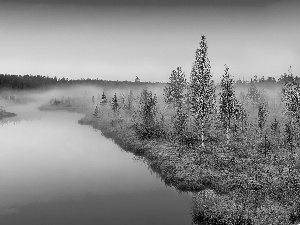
<point>202,89</point>
<point>291,101</point>
<point>228,101</point>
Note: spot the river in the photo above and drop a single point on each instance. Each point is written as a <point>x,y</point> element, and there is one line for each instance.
<point>55,171</point>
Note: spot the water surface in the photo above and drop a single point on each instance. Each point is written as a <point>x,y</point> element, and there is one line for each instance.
<point>55,171</point>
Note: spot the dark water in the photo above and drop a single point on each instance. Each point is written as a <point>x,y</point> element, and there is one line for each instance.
<point>55,171</point>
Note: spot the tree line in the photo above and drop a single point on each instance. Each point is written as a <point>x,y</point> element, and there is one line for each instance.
<point>25,82</point>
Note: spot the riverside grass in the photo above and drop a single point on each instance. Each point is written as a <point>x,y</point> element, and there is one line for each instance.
<point>221,179</point>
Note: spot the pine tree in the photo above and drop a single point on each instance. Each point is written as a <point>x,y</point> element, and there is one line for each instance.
<point>228,102</point>
<point>202,89</point>
<point>174,91</point>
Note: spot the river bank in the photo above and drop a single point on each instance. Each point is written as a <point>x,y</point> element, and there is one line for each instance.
<point>213,202</point>
<point>159,154</point>
<point>222,187</point>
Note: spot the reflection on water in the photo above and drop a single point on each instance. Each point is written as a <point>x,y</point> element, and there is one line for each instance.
<point>52,168</point>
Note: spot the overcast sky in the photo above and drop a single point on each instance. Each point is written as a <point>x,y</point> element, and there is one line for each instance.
<point>118,40</point>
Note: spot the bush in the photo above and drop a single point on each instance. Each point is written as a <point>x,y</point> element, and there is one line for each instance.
<point>188,138</point>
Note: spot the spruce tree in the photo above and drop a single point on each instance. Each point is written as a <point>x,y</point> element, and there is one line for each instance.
<point>96,112</point>
<point>262,118</point>
<point>130,99</point>
<point>174,91</point>
<point>145,117</point>
<point>202,89</point>
<point>114,103</point>
<point>103,98</point>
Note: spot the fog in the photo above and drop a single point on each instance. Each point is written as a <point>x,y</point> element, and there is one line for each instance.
<point>47,157</point>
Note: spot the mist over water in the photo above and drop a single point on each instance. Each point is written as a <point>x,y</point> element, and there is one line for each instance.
<point>50,162</point>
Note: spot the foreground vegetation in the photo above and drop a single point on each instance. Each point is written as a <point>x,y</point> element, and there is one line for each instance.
<point>238,173</point>
<point>257,185</point>
<point>237,152</point>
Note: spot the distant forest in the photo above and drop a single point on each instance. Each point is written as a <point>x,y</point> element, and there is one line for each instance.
<point>26,82</point>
